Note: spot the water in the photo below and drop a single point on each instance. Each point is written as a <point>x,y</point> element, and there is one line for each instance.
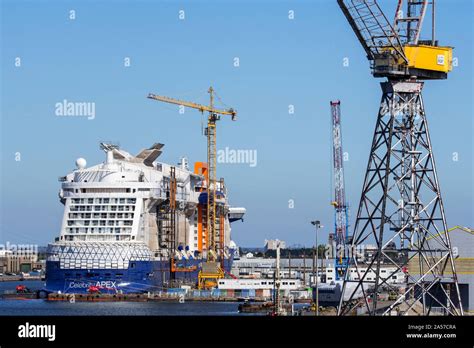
<point>31,284</point>
<point>42,307</point>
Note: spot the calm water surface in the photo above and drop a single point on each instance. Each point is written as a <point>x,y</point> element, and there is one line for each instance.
<point>42,307</point>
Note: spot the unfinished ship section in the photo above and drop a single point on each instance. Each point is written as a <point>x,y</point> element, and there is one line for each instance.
<point>133,224</point>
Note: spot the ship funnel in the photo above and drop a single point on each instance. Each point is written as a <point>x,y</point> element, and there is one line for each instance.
<point>109,150</point>
<point>110,157</point>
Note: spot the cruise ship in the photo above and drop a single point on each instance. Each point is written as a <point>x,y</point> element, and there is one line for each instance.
<point>118,233</point>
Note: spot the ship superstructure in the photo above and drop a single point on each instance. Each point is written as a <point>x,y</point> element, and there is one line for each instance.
<point>133,223</point>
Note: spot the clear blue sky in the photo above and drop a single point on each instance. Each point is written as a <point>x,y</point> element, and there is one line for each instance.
<point>282,62</point>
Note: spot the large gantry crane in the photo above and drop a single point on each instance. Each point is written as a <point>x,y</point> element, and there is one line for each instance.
<point>401,208</point>
<point>341,223</point>
<point>211,268</point>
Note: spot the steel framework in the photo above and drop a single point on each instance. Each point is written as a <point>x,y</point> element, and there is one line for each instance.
<point>409,27</point>
<point>340,207</point>
<point>372,28</point>
<point>167,217</point>
<point>401,209</point>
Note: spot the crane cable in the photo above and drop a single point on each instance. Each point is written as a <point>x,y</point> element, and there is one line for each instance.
<point>220,100</point>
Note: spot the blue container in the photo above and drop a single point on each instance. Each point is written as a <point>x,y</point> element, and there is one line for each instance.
<point>176,291</point>
<point>205,293</point>
<point>251,292</point>
<point>202,198</point>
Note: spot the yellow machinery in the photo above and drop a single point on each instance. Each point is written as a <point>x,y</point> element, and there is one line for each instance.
<point>209,275</point>
<point>422,61</point>
<point>395,50</point>
<point>430,58</point>
<point>210,269</point>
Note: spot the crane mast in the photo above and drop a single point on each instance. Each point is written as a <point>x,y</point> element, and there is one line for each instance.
<point>339,203</point>
<point>212,178</point>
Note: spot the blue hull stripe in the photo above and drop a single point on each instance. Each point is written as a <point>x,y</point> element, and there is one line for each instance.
<point>141,276</point>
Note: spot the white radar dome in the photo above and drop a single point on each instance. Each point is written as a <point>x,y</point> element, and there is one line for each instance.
<point>81,163</point>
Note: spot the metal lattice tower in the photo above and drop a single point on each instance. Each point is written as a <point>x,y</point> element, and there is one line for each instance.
<point>340,207</point>
<point>212,178</point>
<point>401,209</point>
<point>221,213</point>
<point>167,218</point>
<point>409,26</point>
<point>172,221</point>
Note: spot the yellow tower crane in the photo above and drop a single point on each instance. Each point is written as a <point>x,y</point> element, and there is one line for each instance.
<point>210,269</point>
